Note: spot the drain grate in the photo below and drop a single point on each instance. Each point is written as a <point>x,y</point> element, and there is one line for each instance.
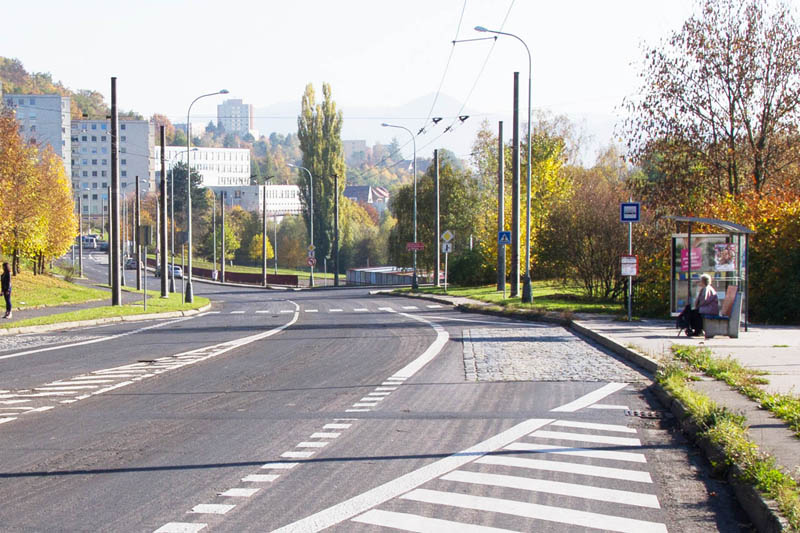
<point>647,414</point>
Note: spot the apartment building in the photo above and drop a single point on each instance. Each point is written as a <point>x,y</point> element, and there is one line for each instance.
<point>219,167</point>
<point>43,119</point>
<point>281,199</point>
<point>235,117</point>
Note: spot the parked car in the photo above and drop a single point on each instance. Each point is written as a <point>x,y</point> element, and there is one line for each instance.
<point>102,246</point>
<point>178,272</point>
<point>130,263</point>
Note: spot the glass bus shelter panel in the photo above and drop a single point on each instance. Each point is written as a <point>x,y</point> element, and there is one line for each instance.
<point>721,256</point>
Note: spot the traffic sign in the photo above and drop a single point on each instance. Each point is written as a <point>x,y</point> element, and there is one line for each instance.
<point>629,212</point>
<point>311,253</point>
<point>311,247</point>
<point>629,265</point>
<point>410,246</point>
<point>504,237</point>
<point>311,261</point>
<point>447,247</point>
<point>448,235</point>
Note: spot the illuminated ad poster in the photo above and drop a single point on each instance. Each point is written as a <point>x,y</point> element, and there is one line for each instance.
<point>697,259</point>
<point>724,257</point>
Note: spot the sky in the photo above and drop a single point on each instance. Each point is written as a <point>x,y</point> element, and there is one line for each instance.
<point>376,55</point>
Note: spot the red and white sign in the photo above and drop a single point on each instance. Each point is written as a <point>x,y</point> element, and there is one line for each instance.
<point>311,261</point>
<point>629,265</point>
<point>415,246</point>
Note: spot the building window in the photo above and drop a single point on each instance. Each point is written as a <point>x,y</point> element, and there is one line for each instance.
<point>103,150</point>
<point>123,162</point>
<point>124,185</point>
<point>123,150</point>
<point>94,173</point>
<point>84,161</point>
<point>124,173</point>
<point>32,101</point>
<point>94,196</point>
<point>103,127</point>
<point>105,161</point>
<point>85,173</point>
<point>124,138</point>
<point>94,185</point>
<point>103,174</point>
<point>84,138</point>
<point>74,138</point>
<point>94,161</point>
<point>122,126</point>
<point>103,138</point>
<point>94,138</point>
<point>105,186</point>
<point>94,126</point>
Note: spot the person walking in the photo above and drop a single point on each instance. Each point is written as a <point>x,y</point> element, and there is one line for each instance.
<point>5,283</point>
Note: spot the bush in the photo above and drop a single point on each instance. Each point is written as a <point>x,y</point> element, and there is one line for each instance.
<point>470,269</point>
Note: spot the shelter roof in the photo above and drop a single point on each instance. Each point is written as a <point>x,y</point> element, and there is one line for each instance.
<point>729,227</point>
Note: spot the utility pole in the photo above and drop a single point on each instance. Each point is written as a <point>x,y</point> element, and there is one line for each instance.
<point>137,222</point>
<point>501,210</point>
<point>222,258</point>
<point>515,194</point>
<point>162,214</point>
<point>336,228</point>
<point>114,240</point>
<point>214,229</point>
<point>438,231</point>
<point>264,235</point>
<point>80,234</point>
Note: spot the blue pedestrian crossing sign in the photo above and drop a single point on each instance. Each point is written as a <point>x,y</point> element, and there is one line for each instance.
<point>504,237</point>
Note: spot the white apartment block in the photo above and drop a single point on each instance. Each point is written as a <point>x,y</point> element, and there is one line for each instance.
<point>219,167</point>
<point>235,117</point>
<point>281,199</point>
<point>43,119</point>
<point>91,160</point>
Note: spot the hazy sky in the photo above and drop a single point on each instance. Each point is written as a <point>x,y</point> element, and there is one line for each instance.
<point>374,53</point>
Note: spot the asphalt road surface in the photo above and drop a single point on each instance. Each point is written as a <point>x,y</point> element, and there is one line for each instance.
<point>333,409</point>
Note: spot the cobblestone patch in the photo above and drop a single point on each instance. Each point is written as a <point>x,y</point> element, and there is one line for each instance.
<point>24,342</point>
<point>539,354</point>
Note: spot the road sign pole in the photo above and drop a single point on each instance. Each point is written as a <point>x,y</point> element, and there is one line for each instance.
<point>630,278</point>
<point>445,271</point>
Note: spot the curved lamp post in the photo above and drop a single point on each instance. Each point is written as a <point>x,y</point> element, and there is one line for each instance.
<point>189,293</point>
<point>414,284</point>
<point>527,293</point>
<point>310,211</point>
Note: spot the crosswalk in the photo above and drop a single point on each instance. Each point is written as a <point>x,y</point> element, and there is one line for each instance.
<point>551,475</point>
<point>307,310</point>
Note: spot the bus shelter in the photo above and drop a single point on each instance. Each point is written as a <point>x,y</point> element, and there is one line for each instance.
<point>723,256</point>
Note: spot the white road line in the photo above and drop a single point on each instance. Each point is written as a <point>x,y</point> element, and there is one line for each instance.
<point>392,383</point>
<point>180,527</point>
<point>280,466</point>
<point>212,312</point>
<point>356,410</point>
<point>72,388</point>
<point>367,500</point>
<point>325,435</point>
<point>385,309</point>
<point>578,452</point>
<point>239,493</point>
<point>386,388</point>
<point>336,426</point>
<point>286,311</point>
<point>585,437</point>
<point>264,311</point>
<point>382,394</point>
<point>8,419</point>
<point>427,356</point>
<point>590,425</point>
<point>373,399</point>
<point>335,310</point>
<point>260,478</point>
<point>93,341</point>
<point>574,490</point>
<point>237,312</point>
<point>12,402</point>
<point>607,406</point>
<point>81,381</point>
<point>360,309</point>
<point>8,408</point>
<point>410,307</point>
<point>421,524</point>
<point>569,468</point>
<point>211,508</point>
<point>311,310</point>
<point>41,409</point>
<point>539,512</point>
<point>362,404</point>
<point>311,444</point>
<point>297,455</point>
<point>593,397</point>
<point>433,306</point>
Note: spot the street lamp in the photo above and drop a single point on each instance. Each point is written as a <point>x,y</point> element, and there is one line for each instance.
<point>527,292</point>
<point>189,293</point>
<point>310,212</point>
<point>414,284</point>
<point>172,214</point>
<point>264,240</point>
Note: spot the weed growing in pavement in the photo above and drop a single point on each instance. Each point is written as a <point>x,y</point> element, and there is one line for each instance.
<point>745,380</point>
<point>727,430</point>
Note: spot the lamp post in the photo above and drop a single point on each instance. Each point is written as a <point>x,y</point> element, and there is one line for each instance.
<point>414,284</point>
<point>172,215</point>
<point>264,235</point>
<point>527,292</point>
<point>189,293</point>
<point>310,212</point>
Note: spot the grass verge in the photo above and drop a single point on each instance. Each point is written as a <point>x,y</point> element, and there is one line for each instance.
<point>300,272</point>
<point>727,431</point>
<point>155,304</point>
<point>44,290</point>
<point>743,379</point>
<point>548,297</point>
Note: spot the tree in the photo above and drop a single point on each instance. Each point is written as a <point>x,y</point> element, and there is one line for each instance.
<point>199,199</point>
<point>724,91</point>
<point>58,220</point>
<point>319,129</point>
<point>255,246</point>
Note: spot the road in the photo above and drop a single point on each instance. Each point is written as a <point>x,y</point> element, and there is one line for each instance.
<point>306,410</point>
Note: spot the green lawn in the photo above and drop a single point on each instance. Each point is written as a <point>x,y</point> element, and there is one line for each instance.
<point>44,290</point>
<point>155,304</point>
<point>303,273</point>
<point>547,296</point>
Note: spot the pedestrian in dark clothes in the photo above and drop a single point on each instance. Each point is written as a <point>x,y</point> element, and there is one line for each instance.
<point>5,282</point>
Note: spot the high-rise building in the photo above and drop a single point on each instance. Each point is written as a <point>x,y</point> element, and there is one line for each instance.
<point>45,120</point>
<point>235,117</point>
<point>91,160</point>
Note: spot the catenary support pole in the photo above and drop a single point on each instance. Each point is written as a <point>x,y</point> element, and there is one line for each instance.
<point>137,222</point>
<point>336,229</point>
<point>264,235</point>
<point>515,194</point>
<point>501,210</point>
<point>438,230</point>
<point>80,235</point>
<point>114,240</point>
<point>222,237</point>
<point>162,214</point>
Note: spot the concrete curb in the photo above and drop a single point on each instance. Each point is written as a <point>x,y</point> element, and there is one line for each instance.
<point>45,328</point>
<point>762,512</point>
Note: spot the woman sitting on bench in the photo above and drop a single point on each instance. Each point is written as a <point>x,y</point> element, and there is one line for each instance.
<point>706,303</point>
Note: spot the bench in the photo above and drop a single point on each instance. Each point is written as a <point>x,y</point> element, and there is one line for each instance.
<point>730,317</point>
